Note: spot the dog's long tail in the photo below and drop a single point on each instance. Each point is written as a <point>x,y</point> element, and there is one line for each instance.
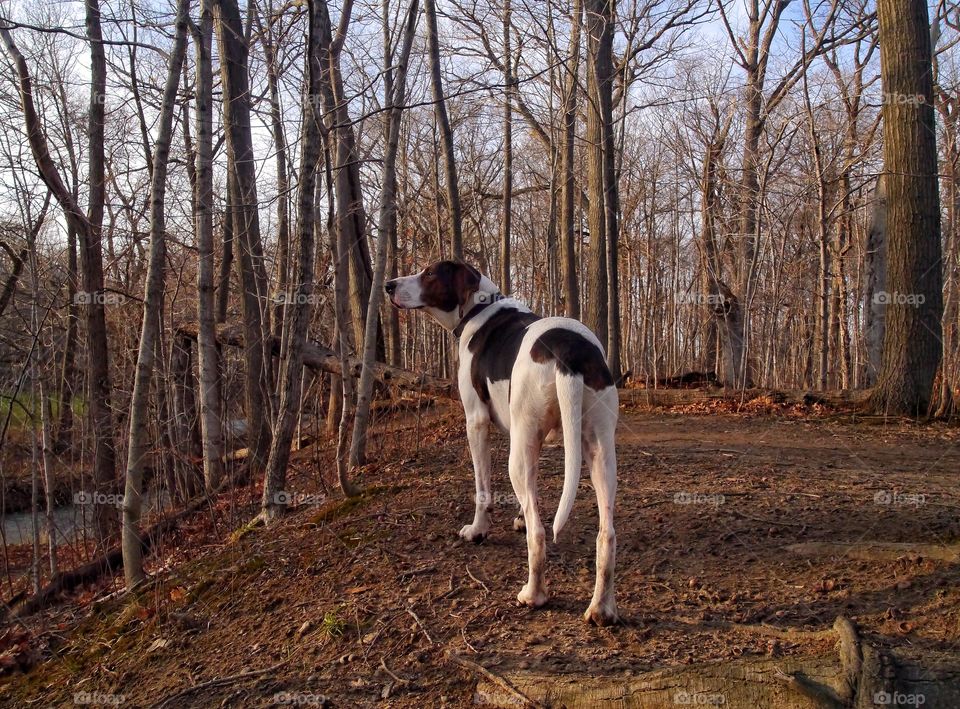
<point>570,398</point>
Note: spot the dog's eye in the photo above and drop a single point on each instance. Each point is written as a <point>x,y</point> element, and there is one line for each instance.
<point>427,273</point>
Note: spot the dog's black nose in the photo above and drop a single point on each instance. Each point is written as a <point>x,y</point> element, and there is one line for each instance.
<point>390,287</point>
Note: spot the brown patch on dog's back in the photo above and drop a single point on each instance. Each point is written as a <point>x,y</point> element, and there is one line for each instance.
<point>574,354</point>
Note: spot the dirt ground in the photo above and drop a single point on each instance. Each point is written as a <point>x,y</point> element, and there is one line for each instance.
<point>362,602</point>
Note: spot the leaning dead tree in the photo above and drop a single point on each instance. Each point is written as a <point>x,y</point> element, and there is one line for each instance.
<point>326,360</point>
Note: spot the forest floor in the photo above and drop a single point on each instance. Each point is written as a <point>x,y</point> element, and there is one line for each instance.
<point>369,601</point>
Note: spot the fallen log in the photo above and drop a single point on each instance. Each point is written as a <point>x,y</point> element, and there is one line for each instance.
<point>684,397</point>
<point>878,551</point>
<point>858,675</point>
<point>323,359</point>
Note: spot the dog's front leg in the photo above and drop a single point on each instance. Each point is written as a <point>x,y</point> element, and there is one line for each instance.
<point>478,429</point>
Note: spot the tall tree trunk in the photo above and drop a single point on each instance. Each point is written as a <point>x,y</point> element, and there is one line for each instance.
<point>211,428</point>
<point>39,385</point>
<point>949,110</point>
<point>710,258</point>
<point>298,304</point>
<point>91,259</point>
<point>446,132</point>
<point>822,320</point>
<point>280,159</point>
<point>65,385</point>
<point>339,243</point>
<point>351,218</point>
<point>597,303</point>
<point>911,344</point>
<point>507,214</point>
<point>386,227</point>
<point>875,283</point>
<point>246,229</point>
<point>568,229</point>
<point>49,476</point>
<point>138,444</point>
<point>611,195</point>
<point>226,259</point>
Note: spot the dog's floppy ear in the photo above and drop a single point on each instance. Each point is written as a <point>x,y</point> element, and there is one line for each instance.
<point>466,282</point>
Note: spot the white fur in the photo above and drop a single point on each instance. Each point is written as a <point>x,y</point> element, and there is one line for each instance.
<point>570,397</point>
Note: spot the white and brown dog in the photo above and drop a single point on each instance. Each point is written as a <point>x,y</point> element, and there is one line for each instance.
<point>530,376</point>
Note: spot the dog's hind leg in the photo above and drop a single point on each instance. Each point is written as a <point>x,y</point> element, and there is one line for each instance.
<point>478,435</point>
<point>524,454</point>
<point>603,475</point>
<point>519,523</point>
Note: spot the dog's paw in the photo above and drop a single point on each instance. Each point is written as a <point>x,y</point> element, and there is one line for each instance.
<point>473,533</point>
<point>533,599</point>
<point>602,614</point>
<point>520,524</point>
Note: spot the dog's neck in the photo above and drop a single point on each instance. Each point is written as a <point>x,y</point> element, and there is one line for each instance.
<point>455,320</point>
<point>470,315</point>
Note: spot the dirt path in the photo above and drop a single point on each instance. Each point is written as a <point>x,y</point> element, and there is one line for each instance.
<point>359,601</point>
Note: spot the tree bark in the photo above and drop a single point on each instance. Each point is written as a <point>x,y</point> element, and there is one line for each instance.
<point>246,227</point>
<point>280,159</point>
<point>350,215</point>
<point>875,282</point>
<point>226,259</point>
<point>446,132</point>
<point>597,304</point>
<point>211,428</point>
<point>611,194</point>
<point>386,226</point>
<point>339,244</point>
<point>300,294</point>
<point>16,268</point>
<point>507,206</point>
<point>68,377</point>
<point>911,345</point>
<point>91,258</point>
<point>138,448</point>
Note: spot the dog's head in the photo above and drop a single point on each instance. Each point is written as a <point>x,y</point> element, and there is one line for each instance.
<point>445,289</point>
